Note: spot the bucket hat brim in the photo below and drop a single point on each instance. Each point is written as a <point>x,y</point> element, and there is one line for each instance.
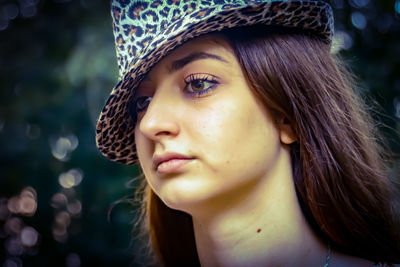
<point>115,128</point>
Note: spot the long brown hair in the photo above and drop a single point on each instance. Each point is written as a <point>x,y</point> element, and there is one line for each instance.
<point>338,167</point>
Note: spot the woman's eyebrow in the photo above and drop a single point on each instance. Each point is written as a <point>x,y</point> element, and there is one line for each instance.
<point>180,63</point>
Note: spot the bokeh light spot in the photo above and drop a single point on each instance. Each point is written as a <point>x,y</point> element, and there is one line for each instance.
<point>13,262</point>
<point>24,204</point>
<point>13,225</point>
<point>71,178</point>
<point>338,4</point>
<point>59,200</point>
<point>358,20</point>
<point>28,2</point>
<point>14,246</point>
<point>75,207</point>
<point>29,192</point>
<point>73,260</point>
<point>341,40</point>
<point>61,148</point>
<point>73,140</point>
<point>3,24</point>
<point>28,206</point>
<point>13,205</point>
<point>359,3</point>
<point>62,221</point>
<point>397,7</point>
<point>10,263</point>
<point>28,11</point>
<point>63,218</point>
<point>60,233</point>
<point>10,11</point>
<point>66,180</point>
<point>29,236</point>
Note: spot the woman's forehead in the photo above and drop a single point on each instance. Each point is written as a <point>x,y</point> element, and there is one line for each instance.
<point>216,40</point>
<point>210,46</point>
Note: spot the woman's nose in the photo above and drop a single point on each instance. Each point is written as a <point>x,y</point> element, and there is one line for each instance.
<point>160,120</point>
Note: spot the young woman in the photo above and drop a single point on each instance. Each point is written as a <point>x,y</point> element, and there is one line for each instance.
<point>255,149</point>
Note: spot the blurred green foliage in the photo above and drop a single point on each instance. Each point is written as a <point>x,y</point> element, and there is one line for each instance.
<point>57,66</point>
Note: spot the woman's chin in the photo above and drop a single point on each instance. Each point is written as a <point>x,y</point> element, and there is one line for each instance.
<point>187,197</point>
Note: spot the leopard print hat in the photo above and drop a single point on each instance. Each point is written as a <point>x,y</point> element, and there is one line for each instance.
<point>146,31</point>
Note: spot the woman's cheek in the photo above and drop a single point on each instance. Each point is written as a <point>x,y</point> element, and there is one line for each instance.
<point>217,129</point>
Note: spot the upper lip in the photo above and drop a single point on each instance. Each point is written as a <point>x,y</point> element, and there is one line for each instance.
<point>158,159</point>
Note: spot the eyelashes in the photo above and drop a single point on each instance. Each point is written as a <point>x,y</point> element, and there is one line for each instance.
<point>137,106</point>
<point>200,84</point>
<point>196,85</point>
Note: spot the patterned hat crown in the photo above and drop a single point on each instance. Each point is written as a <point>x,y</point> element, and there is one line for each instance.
<point>141,25</point>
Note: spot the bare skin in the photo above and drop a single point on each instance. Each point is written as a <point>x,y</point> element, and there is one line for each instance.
<point>237,183</point>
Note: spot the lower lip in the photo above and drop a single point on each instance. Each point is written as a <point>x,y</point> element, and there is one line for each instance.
<point>172,165</point>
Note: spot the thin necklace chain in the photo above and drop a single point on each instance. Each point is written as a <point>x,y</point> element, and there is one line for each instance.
<point>328,257</point>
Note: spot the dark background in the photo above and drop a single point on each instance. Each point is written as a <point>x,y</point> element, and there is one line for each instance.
<point>57,66</point>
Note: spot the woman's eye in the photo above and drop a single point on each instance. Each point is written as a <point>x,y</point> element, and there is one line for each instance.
<point>199,84</point>
<point>141,103</point>
<point>137,106</point>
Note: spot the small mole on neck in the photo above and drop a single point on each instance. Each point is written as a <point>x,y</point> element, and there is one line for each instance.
<point>258,230</point>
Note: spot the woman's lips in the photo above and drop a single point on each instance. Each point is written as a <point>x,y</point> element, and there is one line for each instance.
<point>172,165</point>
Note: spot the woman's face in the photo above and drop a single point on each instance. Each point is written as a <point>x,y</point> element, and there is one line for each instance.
<point>203,135</point>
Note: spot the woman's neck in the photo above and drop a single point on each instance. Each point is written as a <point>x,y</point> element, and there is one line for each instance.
<point>261,225</point>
